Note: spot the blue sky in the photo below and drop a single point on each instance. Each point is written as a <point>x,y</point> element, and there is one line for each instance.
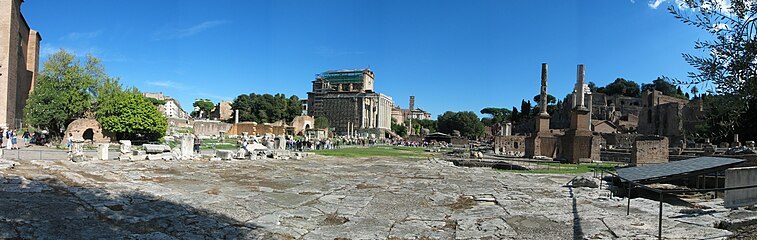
<point>452,55</point>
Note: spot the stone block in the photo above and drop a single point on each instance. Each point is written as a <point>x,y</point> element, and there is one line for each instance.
<point>649,150</point>
<point>153,157</point>
<point>225,154</point>
<point>736,177</point>
<point>240,154</point>
<point>102,151</point>
<point>79,158</point>
<point>750,144</point>
<point>156,148</point>
<point>138,152</point>
<point>187,146</point>
<point>125,146</point>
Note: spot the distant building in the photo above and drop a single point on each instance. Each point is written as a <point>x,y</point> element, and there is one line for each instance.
<point>347,99</point>
<point>222,111</point>
<point>19,46</point>
<point>401,115</point>
<point>170,109</point>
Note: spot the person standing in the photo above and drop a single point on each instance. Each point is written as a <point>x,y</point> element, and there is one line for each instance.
<point>70,142</point>
<point>26,137</point>
<point>197,144</point>
<point>8,136</point>
<point>14,140</point>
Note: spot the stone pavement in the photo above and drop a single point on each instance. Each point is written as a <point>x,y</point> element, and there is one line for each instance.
<point>317,198</point>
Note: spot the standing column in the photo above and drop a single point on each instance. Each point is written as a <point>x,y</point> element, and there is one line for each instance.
<point>580,87</point>
<point>543,100</point>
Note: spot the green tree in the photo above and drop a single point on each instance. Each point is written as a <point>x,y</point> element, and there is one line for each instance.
<point>623,87</point>
<point>429,124</point>
<point>727,63</point>
<point>498,115</point>
<point>204,106</point>
<point>321,122</point>
<point>398,129</point>
<point>130,115</point>
<point>466,122</point>
<point>694,91</point>
<point>63,92</point>
<point>156,102</point>
<point>266,107</point>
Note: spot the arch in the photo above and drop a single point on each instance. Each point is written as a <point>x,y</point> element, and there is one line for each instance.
<point>307,126</point>
<point>88,134</point>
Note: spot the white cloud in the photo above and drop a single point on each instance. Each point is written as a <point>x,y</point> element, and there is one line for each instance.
<point>76,36</point>
<point>654,4</point>
<point>187,32</point>
<point>166,84</point>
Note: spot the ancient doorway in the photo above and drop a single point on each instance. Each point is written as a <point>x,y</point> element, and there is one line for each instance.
<point>307,126</point>
<point>89,134</point>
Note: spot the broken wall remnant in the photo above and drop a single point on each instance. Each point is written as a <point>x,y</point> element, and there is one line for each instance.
<point>649,150</point>
<point>87,129</point>
<point>510,145</point>
<point>737,177</point>
<point>210,127</point>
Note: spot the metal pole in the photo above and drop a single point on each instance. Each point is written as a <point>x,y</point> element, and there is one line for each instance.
<point>628,209</point>
<point>659,225</point>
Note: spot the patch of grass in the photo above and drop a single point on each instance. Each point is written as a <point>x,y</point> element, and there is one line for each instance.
<point>462,203</point>
<point>334,219</point>
<point>382,151</point>
<point>223,146</point>
<point>566,168</point>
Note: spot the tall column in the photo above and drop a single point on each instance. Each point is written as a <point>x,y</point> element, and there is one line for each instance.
<point>543,100</point>
<point>580,87</point>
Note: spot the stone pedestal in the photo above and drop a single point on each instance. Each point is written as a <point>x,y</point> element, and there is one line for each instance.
<point>125,146</point>
<point>542,123</point>
<point>279,143</point>
<point>102,151</point>
<point>577,142</point>
<point>187,147</point>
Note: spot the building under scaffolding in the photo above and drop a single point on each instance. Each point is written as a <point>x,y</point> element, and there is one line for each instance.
<point>346,98</point>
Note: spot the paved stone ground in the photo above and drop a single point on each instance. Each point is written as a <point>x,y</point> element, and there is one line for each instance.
<point>320,198</point>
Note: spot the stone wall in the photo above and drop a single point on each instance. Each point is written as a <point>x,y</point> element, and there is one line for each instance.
<point>238,129</point>
<point>736,177</point>
<point>210,127</point>
<point>88,130</point>
<point>301,123</point>
<point>19,61</point>
<point>510,145</point>
<point>649,150</point>
<point>619,140</point>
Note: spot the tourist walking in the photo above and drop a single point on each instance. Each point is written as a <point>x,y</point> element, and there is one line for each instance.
<point>14,140</point>
<point>26,137</point>
<point>70,142</point>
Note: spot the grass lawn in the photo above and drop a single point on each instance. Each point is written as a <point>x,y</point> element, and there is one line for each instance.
<point>562,168</point>
<point>381,151</point>
<point>224,146</point>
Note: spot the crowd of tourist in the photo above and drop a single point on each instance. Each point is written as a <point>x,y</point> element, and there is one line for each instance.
<point>9,138</point>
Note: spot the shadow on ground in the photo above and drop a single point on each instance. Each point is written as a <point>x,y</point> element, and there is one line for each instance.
<point>48,209</point>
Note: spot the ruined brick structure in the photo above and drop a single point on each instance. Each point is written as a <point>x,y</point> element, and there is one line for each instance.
<point>346,98</point>
<point>19,47</point>
<point>87,129</point>
<point>222,111</point>
<point>662,115</point>
<point>649,150</point>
